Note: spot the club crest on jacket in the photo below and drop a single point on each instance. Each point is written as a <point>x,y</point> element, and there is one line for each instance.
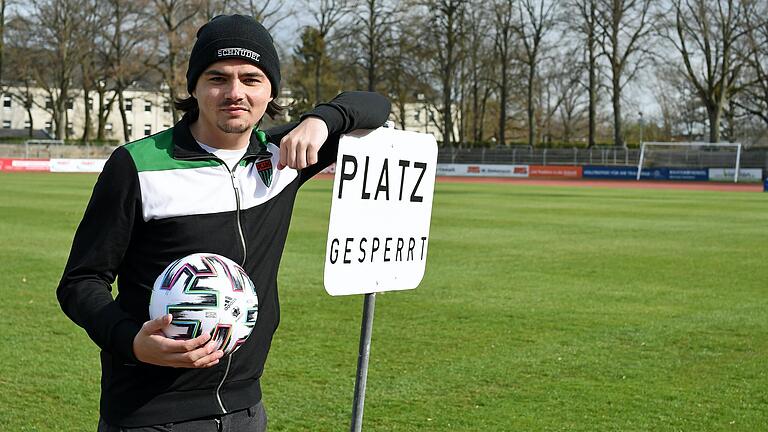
<point>264,167</point>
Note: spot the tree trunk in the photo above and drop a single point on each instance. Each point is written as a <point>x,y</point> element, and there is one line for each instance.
<point>123,115</point>
<point>714,113</point>
<point>592,92</point>
<point>530,109</point>
<point>616,99</point>
<point>87,127</point>
<point>503,105</point>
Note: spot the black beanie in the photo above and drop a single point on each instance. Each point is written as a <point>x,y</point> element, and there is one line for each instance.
<point>234,36</point>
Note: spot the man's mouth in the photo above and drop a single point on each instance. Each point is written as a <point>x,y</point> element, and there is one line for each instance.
<point>234,109</point>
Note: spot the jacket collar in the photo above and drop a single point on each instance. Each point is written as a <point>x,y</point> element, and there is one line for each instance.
<point>185,146</point>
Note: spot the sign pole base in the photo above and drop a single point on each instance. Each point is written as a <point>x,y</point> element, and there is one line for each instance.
<point>362,362</point>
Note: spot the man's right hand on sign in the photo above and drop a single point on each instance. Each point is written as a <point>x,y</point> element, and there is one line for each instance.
<point>151,346</point>
<point>299,148</point>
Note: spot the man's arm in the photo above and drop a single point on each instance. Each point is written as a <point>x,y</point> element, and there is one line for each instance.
<point>311,145</point>
<point>98,248</point>
<point>97,251</point>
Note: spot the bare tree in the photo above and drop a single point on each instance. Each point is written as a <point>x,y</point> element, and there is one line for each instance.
<point>705,34</point>
<point>586,25</point>
<point>371,29</point>
<point>58,32</point>
<point>3,4</point>
<point>478,76</point>
<point>327,14</point>
<point>535,20</point>
<point>175,18</point>
<point>625,27</point>
<point>503,19</point>
<point>443,34</point>
<point>754,97</point>
<point>124,55</point>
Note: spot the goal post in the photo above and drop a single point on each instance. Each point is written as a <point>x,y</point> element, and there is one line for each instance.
<point>699,148</point>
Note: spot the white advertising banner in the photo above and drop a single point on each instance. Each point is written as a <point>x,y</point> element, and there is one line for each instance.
<point>380,214</point>
<point>482,170</point>
<point>746,175</point>
<point>77,165</point>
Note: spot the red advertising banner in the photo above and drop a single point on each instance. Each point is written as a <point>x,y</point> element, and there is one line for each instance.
<point>558,171</point>
<point>7,164</point>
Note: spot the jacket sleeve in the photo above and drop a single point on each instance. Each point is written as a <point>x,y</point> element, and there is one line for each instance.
<point>97,251</point>
<point>346,112</point>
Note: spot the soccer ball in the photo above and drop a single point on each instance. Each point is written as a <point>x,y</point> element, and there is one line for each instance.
<point>206,293</point>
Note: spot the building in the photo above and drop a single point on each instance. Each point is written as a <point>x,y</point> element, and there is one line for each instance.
<point>147,112</point>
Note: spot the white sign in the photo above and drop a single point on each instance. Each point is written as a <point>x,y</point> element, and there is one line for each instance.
<point>482,170</point>
<point>382,204</point>
<point>77,165</point>
<point>746,175</point>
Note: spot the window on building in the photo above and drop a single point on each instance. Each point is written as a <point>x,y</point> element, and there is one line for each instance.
<point>166,126</point>
<point>130,130</point>
<point>6,124</point>
<point>70,103</point>
<point>417,116</point>
<point>147,129</point>
<point>70,129</point>
<point>27,124</point>
<point>108,127</point>
<point>166,108</point>
<point>6,101</point>
<point>147,106</point>
<point>48,126</point>
<point>129,104</point>
<point>48,102</point>
<point>90,103</point>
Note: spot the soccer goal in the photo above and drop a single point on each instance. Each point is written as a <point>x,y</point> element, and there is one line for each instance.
<point>690,155</point>
<point>40,144</point>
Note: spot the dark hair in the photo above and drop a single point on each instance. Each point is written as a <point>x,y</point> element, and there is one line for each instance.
<point>189,105</point>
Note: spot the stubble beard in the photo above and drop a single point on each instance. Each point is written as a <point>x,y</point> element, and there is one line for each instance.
<point>234,129</point>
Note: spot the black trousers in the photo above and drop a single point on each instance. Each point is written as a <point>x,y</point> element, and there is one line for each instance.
<point>253,419</point>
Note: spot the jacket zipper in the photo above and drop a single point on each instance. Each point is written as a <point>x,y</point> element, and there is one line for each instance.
<point>239,225</point>
<point>242,263</point>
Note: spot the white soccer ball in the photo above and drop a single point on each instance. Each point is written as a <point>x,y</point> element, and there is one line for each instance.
<point>206,294</point>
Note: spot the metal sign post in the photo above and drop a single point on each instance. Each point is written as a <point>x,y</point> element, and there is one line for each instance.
<point>362,362</point>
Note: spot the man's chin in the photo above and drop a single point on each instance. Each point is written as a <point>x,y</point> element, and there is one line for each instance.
<point>234,128</point>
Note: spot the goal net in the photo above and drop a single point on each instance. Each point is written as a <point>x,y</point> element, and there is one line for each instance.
<point>693,155</point>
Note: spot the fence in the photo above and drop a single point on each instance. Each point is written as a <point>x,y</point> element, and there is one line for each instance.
<point>514,155</point>
<point>682,158</point>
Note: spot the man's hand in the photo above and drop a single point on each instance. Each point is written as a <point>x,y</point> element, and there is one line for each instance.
<point>151,346</point>
<point>299,148</point>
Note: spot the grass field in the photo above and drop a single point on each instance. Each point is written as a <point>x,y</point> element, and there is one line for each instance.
<point>543,309</point>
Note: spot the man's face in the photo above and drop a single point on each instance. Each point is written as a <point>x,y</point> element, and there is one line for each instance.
<point>232,96</point>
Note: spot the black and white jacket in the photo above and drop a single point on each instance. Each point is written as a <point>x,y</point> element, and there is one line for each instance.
<point>162,198</point>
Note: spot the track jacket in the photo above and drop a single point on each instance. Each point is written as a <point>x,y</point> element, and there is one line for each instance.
<point>162,198</point>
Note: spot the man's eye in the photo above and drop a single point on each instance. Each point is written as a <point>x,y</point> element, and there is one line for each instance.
<point>217,79</point>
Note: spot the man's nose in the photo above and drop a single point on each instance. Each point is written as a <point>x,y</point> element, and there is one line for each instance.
<point>234,90</point>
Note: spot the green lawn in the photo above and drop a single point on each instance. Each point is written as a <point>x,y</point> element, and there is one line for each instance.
<point>543,309</point>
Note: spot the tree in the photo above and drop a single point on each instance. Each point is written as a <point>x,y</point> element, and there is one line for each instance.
<point>535,20</point>
<point>625,27</point>
<point>754,96</point>
<point>57,28</point>
<point>706,35</point>
<point>503,16</point>
<point>327,15</point>
<point>442,26</point>
<point>175,18</point>
<point>586,25</point>
<point>371,30</point>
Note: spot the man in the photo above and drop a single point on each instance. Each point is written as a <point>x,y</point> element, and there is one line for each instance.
<point>212,183</point>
